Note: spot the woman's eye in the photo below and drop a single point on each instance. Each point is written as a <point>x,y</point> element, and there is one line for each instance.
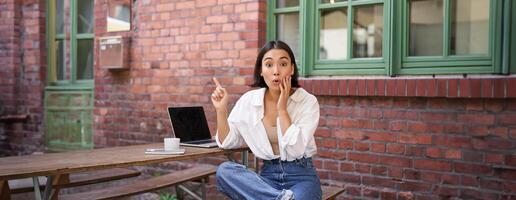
<point>283,64</point>
<point>268,65</point>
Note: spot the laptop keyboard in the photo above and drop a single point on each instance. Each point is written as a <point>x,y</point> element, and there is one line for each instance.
<point>200,141</point>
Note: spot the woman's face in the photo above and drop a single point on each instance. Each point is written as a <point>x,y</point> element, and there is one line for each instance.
<point>276,65</point>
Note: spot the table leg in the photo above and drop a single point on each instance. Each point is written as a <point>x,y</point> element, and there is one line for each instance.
<point>245,156</point>
<point>37,191</point>
<point>58,181</point>
<point>48,188</point>
<point>5,192</point>
<point>256,164</point>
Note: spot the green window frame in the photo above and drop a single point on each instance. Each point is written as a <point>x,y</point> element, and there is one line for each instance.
<point>394,59</point>
<point>53,38</point>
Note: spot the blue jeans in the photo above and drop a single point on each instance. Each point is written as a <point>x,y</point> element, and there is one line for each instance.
<point>277,180</point>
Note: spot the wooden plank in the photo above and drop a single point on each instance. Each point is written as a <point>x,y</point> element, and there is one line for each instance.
<point>331,192</point>
<point>73,180</point>
<point>18,167</point>
<point>142,186</point>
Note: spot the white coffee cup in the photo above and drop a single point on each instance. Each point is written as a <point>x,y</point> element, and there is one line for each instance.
<point>171,143</point>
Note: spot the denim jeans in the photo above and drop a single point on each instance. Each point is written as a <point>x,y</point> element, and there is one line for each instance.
<point>277,180</point>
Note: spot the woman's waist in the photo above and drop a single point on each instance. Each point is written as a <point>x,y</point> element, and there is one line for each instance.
<point>278,161</point>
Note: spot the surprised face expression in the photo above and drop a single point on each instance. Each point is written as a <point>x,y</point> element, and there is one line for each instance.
<point>276,65</point>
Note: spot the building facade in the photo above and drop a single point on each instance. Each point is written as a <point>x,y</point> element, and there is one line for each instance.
<point>417,97</point>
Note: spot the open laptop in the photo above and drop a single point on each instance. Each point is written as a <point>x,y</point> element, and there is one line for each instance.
<point>190,125</point>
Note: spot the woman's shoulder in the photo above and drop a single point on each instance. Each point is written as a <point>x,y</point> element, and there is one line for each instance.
<point>303,95</point>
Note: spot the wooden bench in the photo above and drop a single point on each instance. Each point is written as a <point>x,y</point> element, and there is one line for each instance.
<point>329,193</point>
<point>73,180</point>
<point>141,186</point>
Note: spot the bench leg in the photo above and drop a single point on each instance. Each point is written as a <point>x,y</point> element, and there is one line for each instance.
<point>203,188</point>
<point>189,192</point>
<point>179,193</point>
<point>5,192</point>
<point>48,188</point>
<point>37,191</point>
<point>256,164</point>
<point>245,156</point>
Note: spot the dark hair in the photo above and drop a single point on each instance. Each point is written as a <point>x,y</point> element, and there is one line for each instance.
<point>277,44</point>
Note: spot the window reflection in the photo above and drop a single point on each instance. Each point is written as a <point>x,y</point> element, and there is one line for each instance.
<point>60,62</point>
<point>119,15</point>
<point>367,31</point>
<point>288,31</point>
<point>470,27</point>
<point>333,35</point>
<point>85,59</point>
<point>426,28</point>
<point>85,16</point>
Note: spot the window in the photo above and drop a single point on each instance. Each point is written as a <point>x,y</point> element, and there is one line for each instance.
<point>70,33</point>
<point>390,37</point>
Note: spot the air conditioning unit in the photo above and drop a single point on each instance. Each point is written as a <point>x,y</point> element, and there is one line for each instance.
<point>114,52</point>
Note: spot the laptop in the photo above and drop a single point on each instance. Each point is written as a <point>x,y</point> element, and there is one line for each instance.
<point>190,125</point>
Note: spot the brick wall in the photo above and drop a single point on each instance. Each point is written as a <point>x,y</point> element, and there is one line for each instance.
<point>176,48</point>
<point>418,148</point>
<point>22,56</point>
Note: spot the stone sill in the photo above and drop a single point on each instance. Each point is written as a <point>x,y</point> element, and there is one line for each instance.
<point>490,86</point>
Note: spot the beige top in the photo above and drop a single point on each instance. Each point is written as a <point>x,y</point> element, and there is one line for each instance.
<point>272,134</point>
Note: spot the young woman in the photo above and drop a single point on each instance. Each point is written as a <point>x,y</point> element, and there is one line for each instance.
<point>277,122</point>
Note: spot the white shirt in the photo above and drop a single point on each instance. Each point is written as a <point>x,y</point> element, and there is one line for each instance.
<point>246,127</point>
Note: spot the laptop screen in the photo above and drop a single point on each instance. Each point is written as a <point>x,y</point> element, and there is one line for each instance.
<point>189,123</point>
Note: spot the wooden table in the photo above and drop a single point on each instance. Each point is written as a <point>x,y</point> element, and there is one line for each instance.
<point>54,164</point>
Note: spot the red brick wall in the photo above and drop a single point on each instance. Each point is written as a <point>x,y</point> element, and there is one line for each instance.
<point>22,56</point>
<point>176,48</point>
<point>424,148</point>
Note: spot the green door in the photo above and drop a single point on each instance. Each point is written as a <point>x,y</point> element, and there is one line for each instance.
<point>69,93</point>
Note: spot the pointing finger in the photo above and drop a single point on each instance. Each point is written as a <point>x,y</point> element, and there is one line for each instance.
<point>216,82</point>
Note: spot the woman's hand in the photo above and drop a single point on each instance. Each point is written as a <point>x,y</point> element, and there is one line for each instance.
<point>285,87</point>
<point>219,97</point>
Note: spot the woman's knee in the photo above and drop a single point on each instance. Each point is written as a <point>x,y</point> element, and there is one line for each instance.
<point>226,169</point>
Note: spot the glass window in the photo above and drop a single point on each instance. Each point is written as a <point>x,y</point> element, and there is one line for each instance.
<point>368,31</point>
<point>85,59</point>
<point>470,27</point>
<point>288,31</point>
<point>71,52</point>
<point>344,37</point>
<point>59,16</point>
<point>119,15</point>
<point>60,60</point>
<point>85,16</point>
<point>426,28</point>
<point>333,34</point>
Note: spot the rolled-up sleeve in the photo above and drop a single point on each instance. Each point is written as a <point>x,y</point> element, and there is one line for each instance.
<point>301,132</point>
<point>234,138</point>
